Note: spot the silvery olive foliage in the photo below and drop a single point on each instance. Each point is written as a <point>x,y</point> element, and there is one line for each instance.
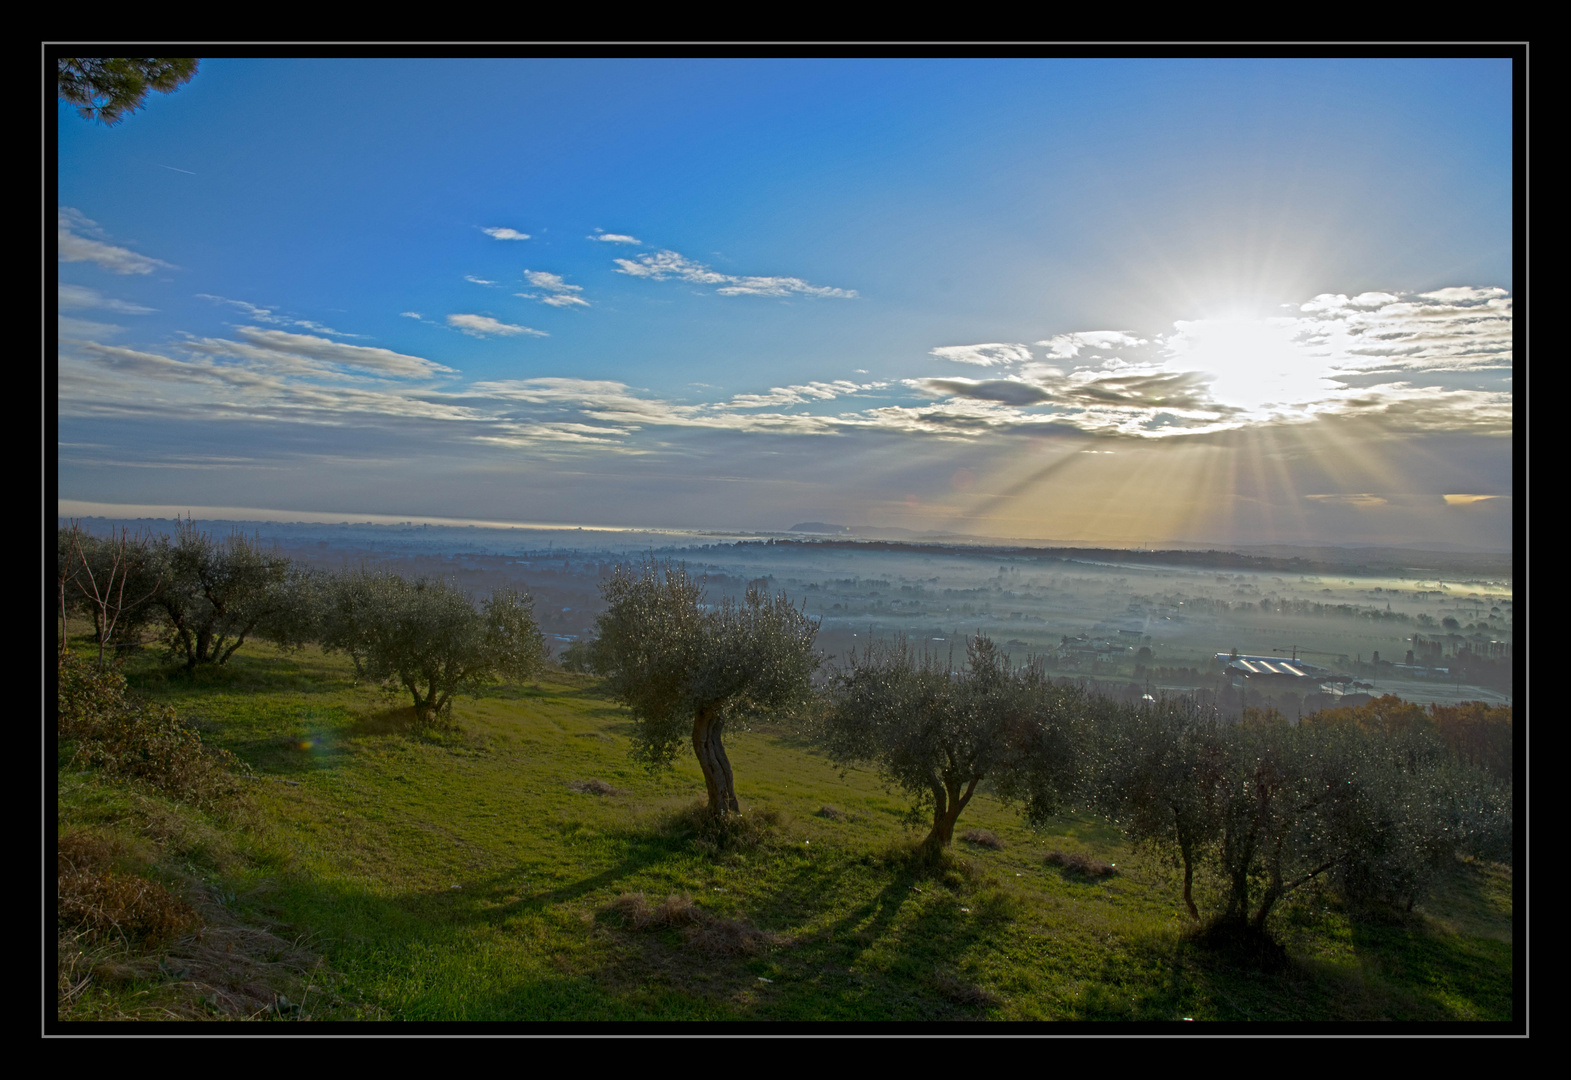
<point>217,592</point>
<point>428,637</point>
<point>688,669</point>
<point>937,732</point>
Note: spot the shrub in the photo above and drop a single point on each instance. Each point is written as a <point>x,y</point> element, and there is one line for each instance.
<point>101,725</point>
<point>99,901</point>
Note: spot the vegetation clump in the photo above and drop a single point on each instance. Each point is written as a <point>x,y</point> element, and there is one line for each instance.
<point>428,638</point>
<point>702,930</point>
<point>688,669</point>
<point>1084,865</point>
<point>95,901</point>
<point>937,733</point>
<point>983,838</point>
<point>101,725</point>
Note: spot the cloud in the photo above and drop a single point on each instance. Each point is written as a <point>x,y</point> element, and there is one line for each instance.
<point>983,355</point>
<point>305,354</point>
<point>796,395</point>
<point>70,223</point>
<point>615,238</point>
<point>1460,328</point>
<point>1363,500</point>
<point>77,297</point>
<point>558,292</point>
<point>664,265</point>
<point>485,326</point>
<point>1068,346</point>
<point>1008,392</point>
<point>1467,500</point>
<point>411,315</point>
<point>86,329</point>
<point>270,315</point>
<point>501,233</point>
<point>478,280</point>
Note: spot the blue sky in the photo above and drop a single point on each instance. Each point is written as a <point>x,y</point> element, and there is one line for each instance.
<point>1235,301</point>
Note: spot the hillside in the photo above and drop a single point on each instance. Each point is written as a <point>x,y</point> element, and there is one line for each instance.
<point>482,873</point>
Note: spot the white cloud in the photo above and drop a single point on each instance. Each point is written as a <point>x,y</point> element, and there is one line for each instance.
<point>70,223</point>
<point>270,315</point>
<point>502,233</point>
<point>615,238</point>
<point>305,354</point>
<point>1068,346</point>
<point>558,292</point>
<point>478,280</point>
<point>484,326</point>
<point>662,265</point>
<point>77,297</point>
<point>983,355</point>
<point>411,315</point>
<point>796,395</point>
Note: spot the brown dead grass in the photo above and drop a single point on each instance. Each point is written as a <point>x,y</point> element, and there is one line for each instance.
<point>1082,864</point>
<point>701,930</point>
<point>594,787</point>
<point>190,956</point>
<point>983,838</point>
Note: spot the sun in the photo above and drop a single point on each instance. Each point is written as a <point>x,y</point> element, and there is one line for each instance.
<point>1256,363</point>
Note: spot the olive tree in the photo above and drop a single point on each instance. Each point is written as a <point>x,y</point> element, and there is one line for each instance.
<point>937,733</point>
<point>1155,764</point>
<point>428,637</point>
<point>688,669</point>
<point>215,593</point>
<point>1376,812</point>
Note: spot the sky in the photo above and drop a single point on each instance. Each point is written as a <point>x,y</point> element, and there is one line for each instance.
<point>1088,301</point>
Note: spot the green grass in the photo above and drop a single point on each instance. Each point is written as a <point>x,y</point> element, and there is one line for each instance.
<point>458,876</point>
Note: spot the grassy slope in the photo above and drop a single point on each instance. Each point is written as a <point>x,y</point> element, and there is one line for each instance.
<point>461,877</point>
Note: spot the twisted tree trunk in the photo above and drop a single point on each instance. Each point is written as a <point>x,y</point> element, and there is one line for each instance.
<point>947,804</point>
<point>708,723</point>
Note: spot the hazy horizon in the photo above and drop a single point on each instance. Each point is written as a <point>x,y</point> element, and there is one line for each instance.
<point>1221,303</point>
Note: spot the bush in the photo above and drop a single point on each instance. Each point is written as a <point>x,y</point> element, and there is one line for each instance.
<point>101,725</point>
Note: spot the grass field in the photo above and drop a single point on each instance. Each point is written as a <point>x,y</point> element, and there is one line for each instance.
<point>476,874</point>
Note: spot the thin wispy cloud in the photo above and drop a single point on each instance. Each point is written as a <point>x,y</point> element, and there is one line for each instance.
<point>79,297</point>
<point>669,265</point>
<point>558,293</point>
<point>270,315</point>
<point>485,326</point>
<point>983,355</point>
<point>478,280</point>
<point>81,239</point>
<point>304,353</point>
<point>503,233</point>
<point>614,238</point>
<point>1069,346</point>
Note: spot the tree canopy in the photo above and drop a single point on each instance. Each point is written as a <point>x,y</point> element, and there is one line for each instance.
<point>937,732</point>
<point>429,637</point>
<point>109,88</point>
<point>686,669</point>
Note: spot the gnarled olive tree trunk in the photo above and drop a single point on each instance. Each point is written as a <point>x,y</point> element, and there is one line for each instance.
<point>947,804</point>
<point>708,724</point>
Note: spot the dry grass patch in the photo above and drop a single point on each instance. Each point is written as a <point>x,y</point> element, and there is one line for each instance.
<point>700,929</point>
<point>594,787</point>
<point>1079,863</point>
<point>983,838</point>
